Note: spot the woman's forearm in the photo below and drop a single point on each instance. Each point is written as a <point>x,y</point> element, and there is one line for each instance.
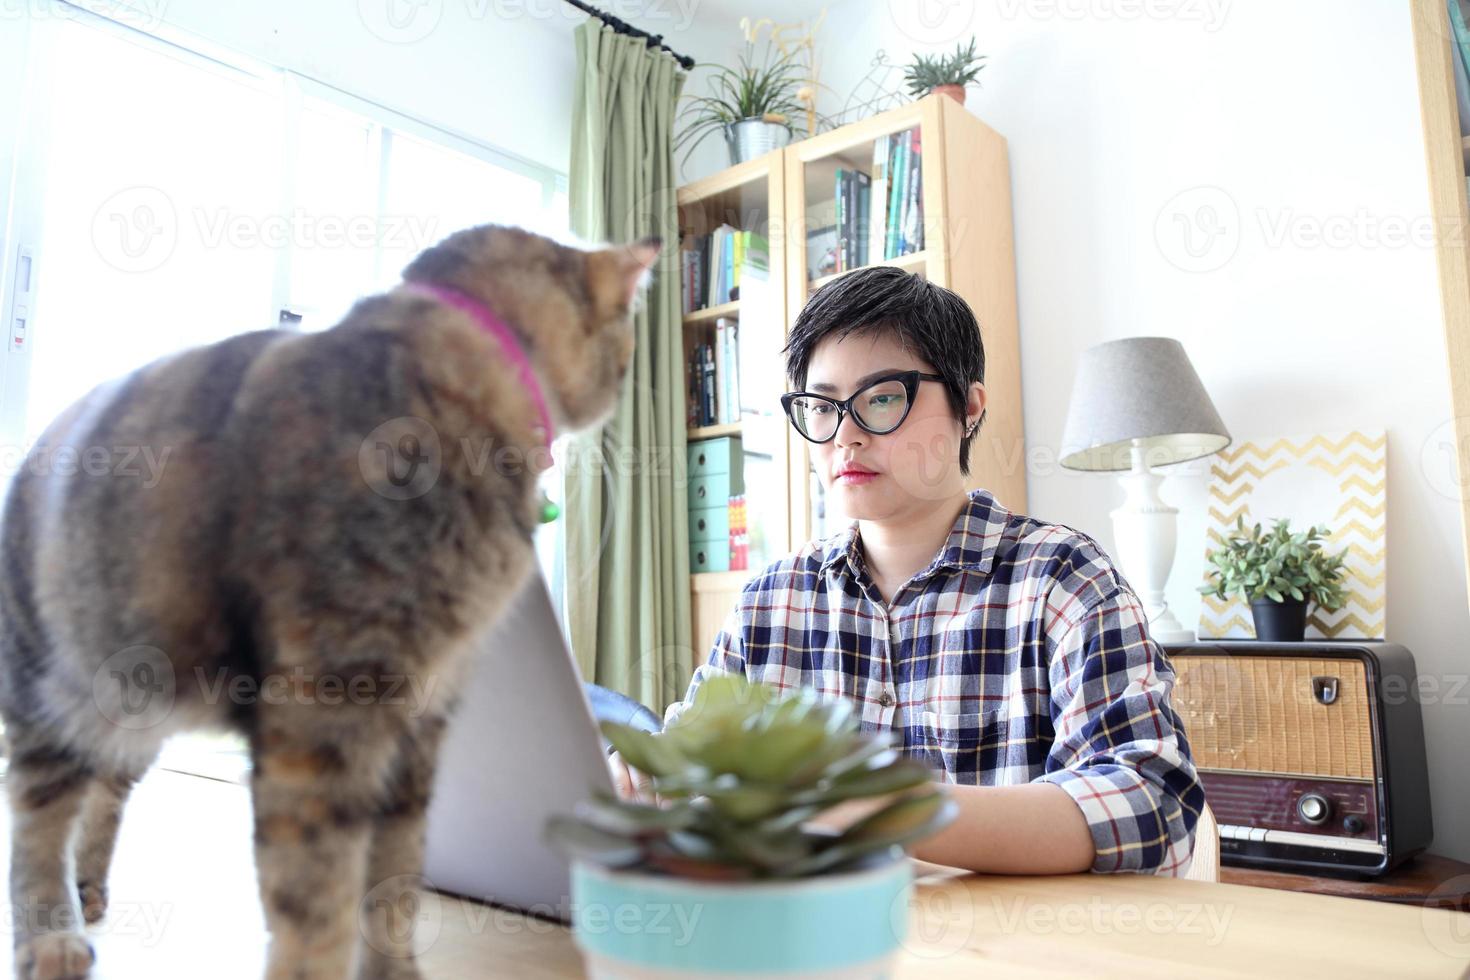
<point>1035,828</point>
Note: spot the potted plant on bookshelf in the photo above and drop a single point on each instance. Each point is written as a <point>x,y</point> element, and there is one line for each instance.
<point>946,74</point>
<point>1280,574</point>
<point>744,882</point>
<point>752,104</point>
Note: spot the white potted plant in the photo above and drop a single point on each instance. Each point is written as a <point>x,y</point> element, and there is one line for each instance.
<point>733,876</point>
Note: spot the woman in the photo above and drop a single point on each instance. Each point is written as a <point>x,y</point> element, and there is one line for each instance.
<point>1008,653</point>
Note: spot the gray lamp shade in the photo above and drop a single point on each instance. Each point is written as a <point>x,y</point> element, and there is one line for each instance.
<point>1140,388</point>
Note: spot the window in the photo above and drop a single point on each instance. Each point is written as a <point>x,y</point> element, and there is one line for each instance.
<point>201,200</point>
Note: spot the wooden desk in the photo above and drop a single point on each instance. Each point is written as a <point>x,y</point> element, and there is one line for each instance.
<point>969,925</point>
<point>1428,879</point>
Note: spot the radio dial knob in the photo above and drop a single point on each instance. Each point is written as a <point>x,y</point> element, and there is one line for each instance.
<point>1314,808</point>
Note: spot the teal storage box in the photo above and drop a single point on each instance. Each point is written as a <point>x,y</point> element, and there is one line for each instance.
<point>721,455</point>
<point>709,524</point>
<point>714,489</point>
<point>709,556</point>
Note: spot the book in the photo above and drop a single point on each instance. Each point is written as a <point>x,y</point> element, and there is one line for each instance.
<point>1461,53</point>
<point>914,229</point>
<point>721,399</point>
<point>878,201</point>
<point>861,189</point>
<point>839,191</point>
<point>732,368</point>
<point>900,149</point>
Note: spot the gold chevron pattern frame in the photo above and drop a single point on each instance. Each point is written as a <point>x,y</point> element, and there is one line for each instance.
<point>1339,480</point>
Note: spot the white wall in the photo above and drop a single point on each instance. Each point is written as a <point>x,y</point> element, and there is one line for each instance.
<point>1305,113</point>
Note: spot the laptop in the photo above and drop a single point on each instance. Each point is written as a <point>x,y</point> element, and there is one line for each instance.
<point>521,747</point>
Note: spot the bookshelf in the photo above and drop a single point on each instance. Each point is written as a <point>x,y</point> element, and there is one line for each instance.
<point>964,243</point>
<point>1447,154</point>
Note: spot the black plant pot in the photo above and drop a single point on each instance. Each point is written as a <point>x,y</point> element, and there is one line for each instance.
<point>1280,622</point>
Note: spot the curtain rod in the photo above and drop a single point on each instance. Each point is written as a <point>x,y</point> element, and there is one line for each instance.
<point>623,27</point>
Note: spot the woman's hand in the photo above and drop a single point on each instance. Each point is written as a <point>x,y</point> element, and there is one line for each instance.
<point>631,784</point>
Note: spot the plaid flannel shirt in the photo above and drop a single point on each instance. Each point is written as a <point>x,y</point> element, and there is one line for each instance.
<point>1018,655</point>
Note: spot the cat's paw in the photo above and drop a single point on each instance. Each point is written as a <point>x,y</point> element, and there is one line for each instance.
<point>54,956</point>
<point>94,900</point>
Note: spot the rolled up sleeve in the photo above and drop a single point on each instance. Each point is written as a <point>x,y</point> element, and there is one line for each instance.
<point>1119,750</point>
<point>726,656</point>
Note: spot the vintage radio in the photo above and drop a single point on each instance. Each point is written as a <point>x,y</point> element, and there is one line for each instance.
<point>1311,754</point>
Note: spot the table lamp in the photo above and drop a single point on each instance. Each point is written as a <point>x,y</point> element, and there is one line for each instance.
<point>1138,403</point>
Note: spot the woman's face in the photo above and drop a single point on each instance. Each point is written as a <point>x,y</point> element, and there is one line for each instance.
<point>879,477</point>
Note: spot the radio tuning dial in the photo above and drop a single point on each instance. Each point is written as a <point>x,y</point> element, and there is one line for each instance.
<point>1314,808</point>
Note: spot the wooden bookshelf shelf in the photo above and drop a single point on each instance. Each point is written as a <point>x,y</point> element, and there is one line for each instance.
<point>710,313</point>
<point>912,261</point>
<point>713,431</point>
<point>788,197</point>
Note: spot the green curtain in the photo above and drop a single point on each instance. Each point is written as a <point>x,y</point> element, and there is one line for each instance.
<point>627,523</point>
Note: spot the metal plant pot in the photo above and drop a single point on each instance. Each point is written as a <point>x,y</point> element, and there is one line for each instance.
<point>749,138</point>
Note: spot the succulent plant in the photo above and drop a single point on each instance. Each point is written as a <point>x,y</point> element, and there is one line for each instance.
<point>1277,565</point>
<point>741,773</point>
<point>926,73</point>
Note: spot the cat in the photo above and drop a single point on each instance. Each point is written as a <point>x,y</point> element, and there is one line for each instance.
<point>323,510</point>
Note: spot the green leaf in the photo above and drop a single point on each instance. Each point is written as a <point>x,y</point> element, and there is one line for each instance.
<point>642,750</point>
<point>576,838</point>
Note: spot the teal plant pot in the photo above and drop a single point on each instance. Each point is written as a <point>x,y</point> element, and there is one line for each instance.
<point>638,926</point>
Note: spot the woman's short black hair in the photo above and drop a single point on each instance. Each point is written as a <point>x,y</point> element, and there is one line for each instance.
<point>930,321</point>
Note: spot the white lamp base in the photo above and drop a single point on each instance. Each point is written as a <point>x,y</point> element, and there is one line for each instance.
<point>1145,531</point>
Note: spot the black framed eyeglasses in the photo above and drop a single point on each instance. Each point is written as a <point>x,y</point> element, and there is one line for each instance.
<point>879,407</point>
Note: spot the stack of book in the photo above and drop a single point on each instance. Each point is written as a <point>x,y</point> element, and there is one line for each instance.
<point>739,535</point>
<point>713,372</point>
<point>881,215</point>
<point>715,263</point>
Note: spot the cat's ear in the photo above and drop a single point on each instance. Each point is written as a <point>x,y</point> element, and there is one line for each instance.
<point>616,274</point>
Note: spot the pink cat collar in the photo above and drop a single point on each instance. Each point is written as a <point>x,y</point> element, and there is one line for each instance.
<point>496,328</point>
